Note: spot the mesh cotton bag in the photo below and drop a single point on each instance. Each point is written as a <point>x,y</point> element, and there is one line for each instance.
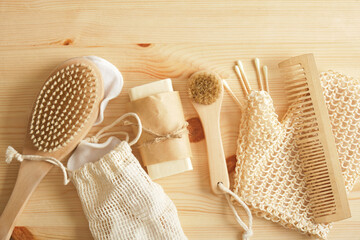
<point>119,199</point>
<point>268,174</point>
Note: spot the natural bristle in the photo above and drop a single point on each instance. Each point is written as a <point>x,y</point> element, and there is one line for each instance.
<point>60,106</point>
<point>204,88</point>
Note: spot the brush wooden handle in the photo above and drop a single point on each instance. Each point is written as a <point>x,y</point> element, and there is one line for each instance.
<point>216,157</point>
<point>29,176</point>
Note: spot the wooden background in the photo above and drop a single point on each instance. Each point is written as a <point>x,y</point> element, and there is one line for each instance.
<point>150,40</point>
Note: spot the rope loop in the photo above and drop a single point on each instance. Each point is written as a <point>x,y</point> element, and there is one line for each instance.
<point>11,154</point>
<point>228,194</point>
<point>101,133</point>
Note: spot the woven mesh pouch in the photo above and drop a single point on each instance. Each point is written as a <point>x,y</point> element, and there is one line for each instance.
<point>269,176</point>
<point>120,201</point>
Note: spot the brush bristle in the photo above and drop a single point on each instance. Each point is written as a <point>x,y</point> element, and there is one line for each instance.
<point>204,88</point>
<point>63,106</point>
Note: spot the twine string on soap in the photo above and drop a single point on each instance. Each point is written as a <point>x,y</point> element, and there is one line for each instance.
<point>11,153</point>
<point>177,133</point>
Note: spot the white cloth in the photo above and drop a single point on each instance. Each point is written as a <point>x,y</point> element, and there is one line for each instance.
<point>113,83</point>
<point>112,80</point>
<point>90,152</point>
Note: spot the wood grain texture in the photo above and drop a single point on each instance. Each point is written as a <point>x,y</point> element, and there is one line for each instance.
<point>150,40</point>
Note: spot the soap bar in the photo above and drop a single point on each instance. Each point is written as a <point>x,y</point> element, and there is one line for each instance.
<point>172,167</point>
<point>146,90</point>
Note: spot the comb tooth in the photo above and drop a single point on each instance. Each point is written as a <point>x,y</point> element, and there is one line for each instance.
<point>309,128</point>
<point>290,85</point>
<point>299,78</point>
<point>307,141</point>
<point>316,157</point>
<point>323,197</point>
<point>301,104</point>
<point>302,100</point>
<point>309,119</point>
<point>317,173</point>
<point>324,205</point>
<point>287,67</point>
<point>320,178</point>
<point>310,147</point>
<point>309,154</point>
<point>320,197</point>
<point>296,89</point>
<point>319,188</point>
<point>308,116</point>
<point>314,167</point>
<point>323,201</point>
<point>307,135</point>
<point>307,125</point>
<point>313,162</point>
<point>297,95</point>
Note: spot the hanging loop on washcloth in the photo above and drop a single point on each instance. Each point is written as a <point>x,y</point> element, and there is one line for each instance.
<point>101,133</point>
<point>228,194</point>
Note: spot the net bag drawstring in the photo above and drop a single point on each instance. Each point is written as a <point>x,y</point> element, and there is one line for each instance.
<point>11,153</point>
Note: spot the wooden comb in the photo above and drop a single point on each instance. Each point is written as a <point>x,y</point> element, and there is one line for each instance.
<point>65,110</point>
<point>315,140</point>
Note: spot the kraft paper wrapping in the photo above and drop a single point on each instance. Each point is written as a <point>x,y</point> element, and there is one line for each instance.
<point>162,114</point>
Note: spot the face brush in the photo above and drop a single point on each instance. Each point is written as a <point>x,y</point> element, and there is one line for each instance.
<point>206,92</point>
<point>65,110</point>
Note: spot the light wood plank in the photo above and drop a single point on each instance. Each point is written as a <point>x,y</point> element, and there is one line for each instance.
<point>185,36</point>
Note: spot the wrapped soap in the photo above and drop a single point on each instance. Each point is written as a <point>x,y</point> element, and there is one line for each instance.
<point>164,145</point>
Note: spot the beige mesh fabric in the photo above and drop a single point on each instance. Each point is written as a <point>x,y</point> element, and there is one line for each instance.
<point>121,202</point>
<point>269,176</point>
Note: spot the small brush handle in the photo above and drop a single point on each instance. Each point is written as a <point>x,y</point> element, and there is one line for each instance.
<point>29,176</point>
<point>216,157</point>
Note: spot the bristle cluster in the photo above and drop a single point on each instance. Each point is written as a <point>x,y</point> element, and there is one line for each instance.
<point>204,88</point>
<point>63,106</point>
<point>311,149</point>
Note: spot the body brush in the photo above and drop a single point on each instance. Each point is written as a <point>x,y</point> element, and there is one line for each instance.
<point>206,92</point>
<point>65,110</point>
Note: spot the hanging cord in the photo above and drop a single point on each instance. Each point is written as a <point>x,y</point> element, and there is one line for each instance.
<point>228,193</point>
<point>101,133</point>
<point>11,153</point>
